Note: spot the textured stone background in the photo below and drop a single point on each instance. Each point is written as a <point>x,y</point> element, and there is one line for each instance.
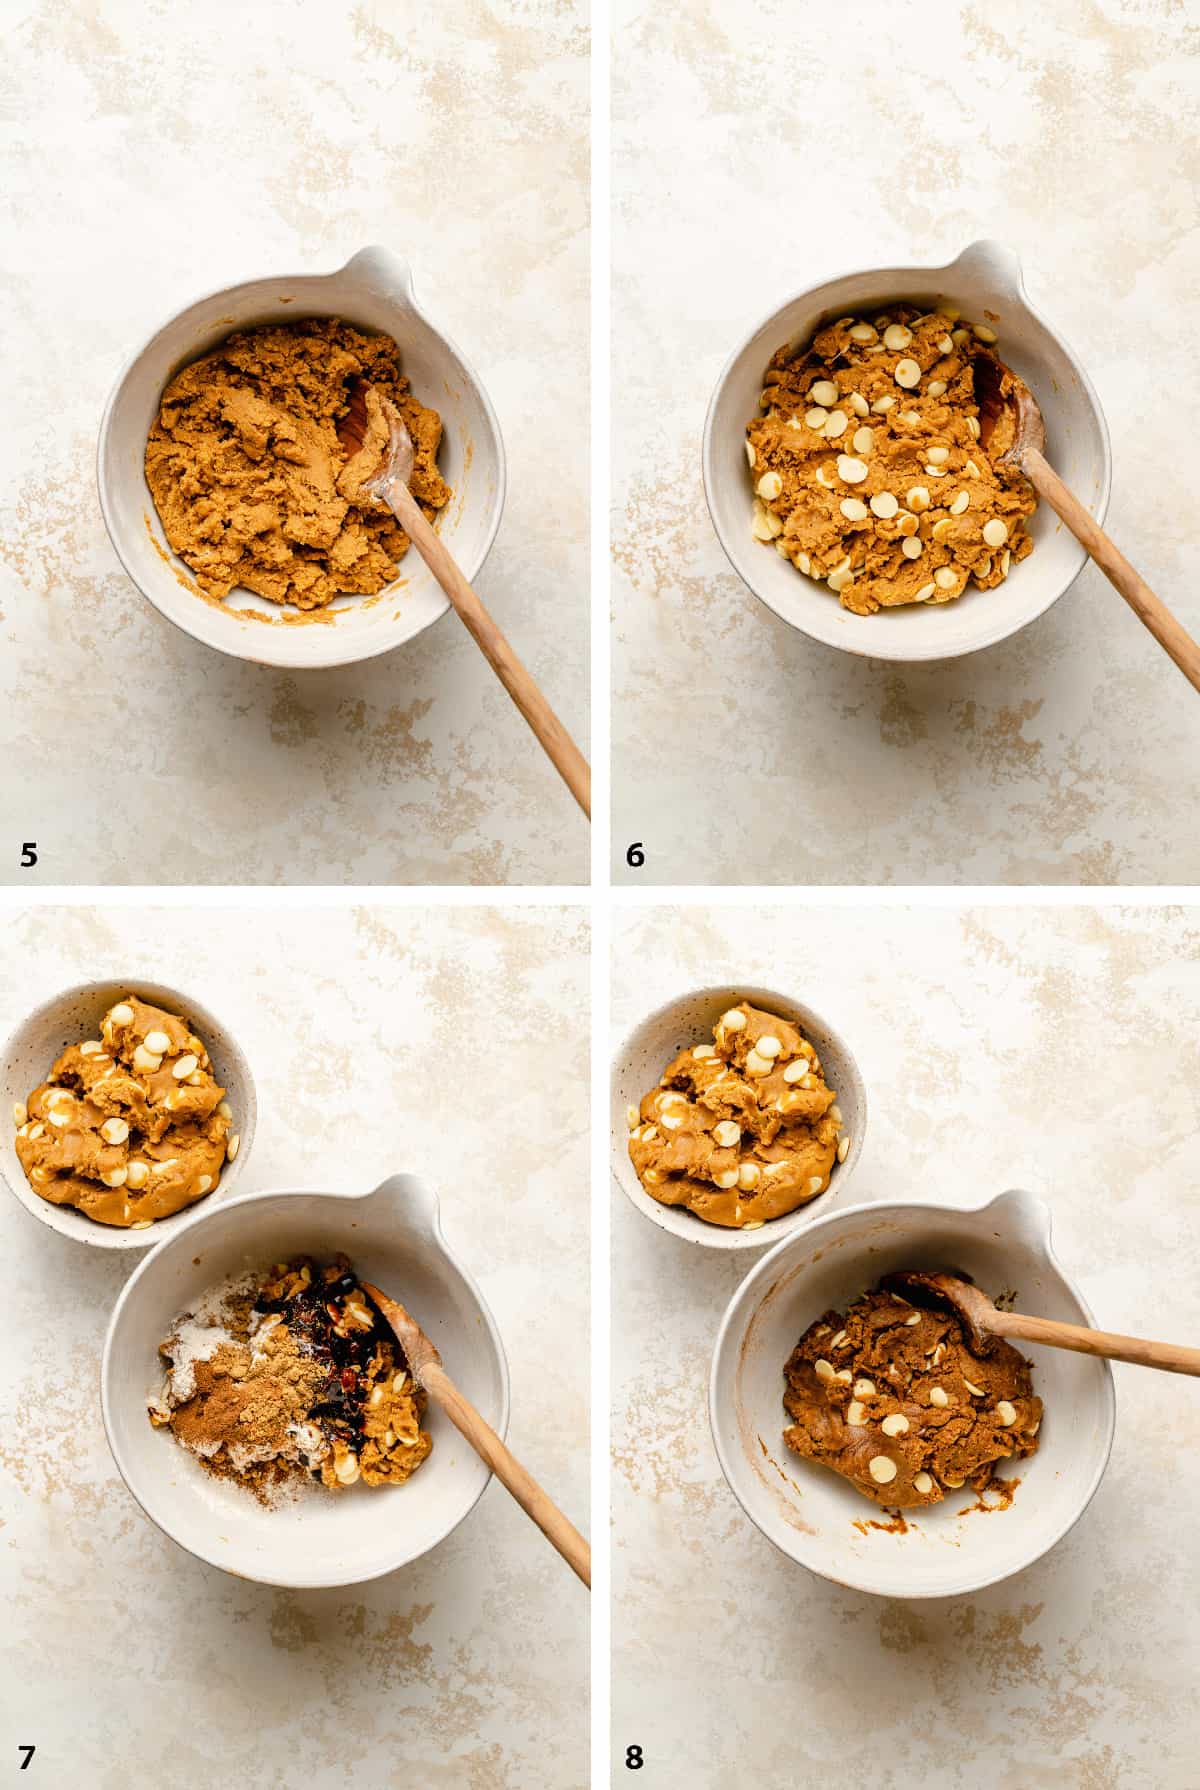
<point>152,152</point>
<point>1050,1049</point>
<point>125,1660</point>
<point>756,155</point>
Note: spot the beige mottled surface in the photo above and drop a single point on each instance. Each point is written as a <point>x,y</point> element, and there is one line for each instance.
<point>125,1660</point>
<point>1051,1049</point>
<point>158,152</point>
<point>754,159</point>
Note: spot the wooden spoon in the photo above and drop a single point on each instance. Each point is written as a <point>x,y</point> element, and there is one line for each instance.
<point>998,391</point>
<point>426,1366</point>
<point>390,484</point>
<point>983,1323</point>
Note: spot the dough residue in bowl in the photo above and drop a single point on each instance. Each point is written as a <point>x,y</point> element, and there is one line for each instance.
<point>253,487</point>
<point>741,1130</point>
<point>893,1398</point>
<point>131,1126</point>
<point>868,467</point>
<point>276,1379</point>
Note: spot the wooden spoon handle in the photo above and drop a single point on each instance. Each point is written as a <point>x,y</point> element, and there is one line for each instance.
<point>557,1528</point>
<point>1149,609</point>
<point>565,755</point>
<point>1171,1358</point>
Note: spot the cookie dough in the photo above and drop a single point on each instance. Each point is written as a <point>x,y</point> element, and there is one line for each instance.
<point>868,468</point>
<point>289,1375</point>
<point>891,1397</point>
<point>250,482</point>
<point>740,1130</point>
<point>130,1126</point>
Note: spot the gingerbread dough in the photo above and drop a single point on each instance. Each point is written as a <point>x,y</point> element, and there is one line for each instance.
<point>741,1130</point>
<point>130,1126</point>
<point>868,468</point>
<point>253,487</point>
<point>893,1399</point>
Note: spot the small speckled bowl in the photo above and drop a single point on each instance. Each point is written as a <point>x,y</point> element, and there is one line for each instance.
<point>813,1515</point>
<point>393,1236</point>
<point>689,1019</point>
<point>69,1018</point>
<point>374,291</point>
<point>986,284</point>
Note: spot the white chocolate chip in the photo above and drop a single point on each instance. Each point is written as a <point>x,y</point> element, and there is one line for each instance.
<point>925,592</point>
<point>939,1397</point>
<point>1005,562</point>
<point>850,471</point>
<point>917,499</point>
<point>836,425</point>
<point>183,1066</point>
<point>727,1134</point>
<point>895,1425</point>
<point>749,1175</point>
<point>995,532</point>
<point>750,454</point>
<point>936,388</point>
<point>233,1146</point>
<point>816,418</point>
<point>769,1046</point>
<point>843,1149</point>
<point>973,426</point>
<point>142,1224</point>
<point>145,1061</point>
<point>837,581</point>
<point>960,502</point>
<point>815,1183</point>
<point>727,1178</point>
<point>204,1183</point>
<point>881,1469</point>
<point>885,505</point>
<point>864,440</point>
<point>36,1130</point>
<point>938,456</point>
<point>945,579</point>
<point>90,1047</point>
<point>911,1322</point>
<point>157,1043</point>
<point>1006,1413</point>
<point>975,1391</point>
<point>632,1117</point>
<point>896,337</point>
<point>733,1021</point>
<point>856,1416</point>
<point>121,1014</point>
<point>114,1131</point>
<point>764,523</point>
<point>881,406</point>
<point>984,334</point>
<point>858,404</point>
<point>770,485</point>
<point>838,1340</point>
<point>941,528</point>
<point>139,1174</point>
<point>923,1483</point>
<point>346,1470</point>
<point>20,1113</point>
<point>864,1388</point>
<point>823,1369</point>
<point>907,374</point>
<point>853,510</point>
<point>671,1121</point>
<point>796,1070</point>
<point>863,332</point>
<point>756,1065</point>
<point>824,392</point>
<point>959,336</point>
<point>702,1052</point>
<point>116,1177</point>
<point>912,548</point>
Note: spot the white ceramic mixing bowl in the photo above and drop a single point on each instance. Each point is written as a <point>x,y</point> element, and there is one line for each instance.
<point>373,290</point>
<point>809,1512</point>
<point>393,1237</point>
<point>985,283</point>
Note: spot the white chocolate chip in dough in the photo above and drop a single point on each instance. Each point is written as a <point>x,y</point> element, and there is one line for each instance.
<point>157,1043</point>
<point>632,1117</point>
<point>671,1121</point>
<point>913,548</point>
<point>959,336</point>
<point>139,1174</point>
<point>727,1134</point>
<point>881,1469</point>
<point>975,1391</point>
<point>945,579</point>
<point>926,591</point>
<point>815,1183</point>
<point>733,1021</point>
<point>823,479</point>
<point>938,456</point>
<point>971,470</point>
<point>749,1175</point>
<point>20,1113</point>
<point>881,406</point>
<point>702,1052</point>
<point>907,374</point>
<point>204,1183</point>
<point>917,499</point>
<point>145,1061</point>
<point>756,1065</point>
<point>936,388</point>
<point>850,471</point>
<point>858,404</point>
<point>960,502</point>
<point>233,1146</point>
<point>864,1388</point>
<point>823,1369</point>
<point>816,418</point>
<point>750,454</point>
<point>985,334</point>
<point>727,1178</point>
<point>184,1066</point>
<point>995,532</point>
<point>764,524</point>
<point>116,1177</point>
<point>1005,562</point>
<point>864,440</point>
<point>896,337</point>
<point>1006,1413</point>
<point>853,509</point>
<point>121,1014</point>
<point>863,332</point>
<point>797,1070</point>
<point>884,505</point>
<point>837,581</point>
<point>769,1045</point>
<point>824,392</point>
<point>856,1416</point>
<point>836,425</point>
<point>770,485</point>
<point>114,1131</point>
<point>973,426</point>
<point>939,1396</point>
<point>895,1425</point>
<point>90,1047</point>
<point>923,1483</point>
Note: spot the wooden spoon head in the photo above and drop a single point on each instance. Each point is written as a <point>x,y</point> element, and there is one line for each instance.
<point>948,1292</point>
<point>358,431</point>
<point>1009,418</point>
<point>418,1350</point>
